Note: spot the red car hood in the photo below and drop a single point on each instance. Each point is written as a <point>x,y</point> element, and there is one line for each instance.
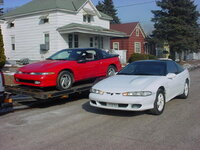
<point>43,66</point>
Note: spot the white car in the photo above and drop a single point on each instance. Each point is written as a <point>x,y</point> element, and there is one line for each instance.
<point>142,85</point>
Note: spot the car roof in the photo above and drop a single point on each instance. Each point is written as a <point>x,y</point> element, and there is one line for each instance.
<point>156,60</point>
<point>82,49</point>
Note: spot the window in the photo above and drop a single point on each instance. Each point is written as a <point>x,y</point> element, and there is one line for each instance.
<point>105,54</point>
<point>91,42</point>
<point>84,18</point>
<point>116,45</point>
<point>137,32</point>
<point>171,67</point>
<point>101,43</point>
<point>13,43</point>
<point>11,25</point>
<point>91,55</point>
<point>87,18</point>
<point>180,68</point>
<point>73,41</point>
<point>144,68</point>
<point>46,40</point>
<point>137,47</point>
<point>44,19</point>
<point>70,40</point>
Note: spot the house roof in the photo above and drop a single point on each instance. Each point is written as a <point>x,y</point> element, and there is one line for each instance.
<point>45,5</point>
<point>127,28</point>
<point>97,30</point>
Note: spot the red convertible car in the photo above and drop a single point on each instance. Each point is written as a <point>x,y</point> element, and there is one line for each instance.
<point>67,66</point>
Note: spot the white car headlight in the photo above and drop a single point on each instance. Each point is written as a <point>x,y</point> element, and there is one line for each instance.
<point>42,73</point>
<point>92,90</point>
<point>137,93</point>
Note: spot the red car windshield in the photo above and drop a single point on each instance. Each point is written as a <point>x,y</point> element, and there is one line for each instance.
<point>66,55</point>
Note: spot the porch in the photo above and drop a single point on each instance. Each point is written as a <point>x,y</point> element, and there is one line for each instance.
<point>83,36</point>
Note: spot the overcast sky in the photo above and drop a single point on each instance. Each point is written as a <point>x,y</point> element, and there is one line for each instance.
<point>128,10</point>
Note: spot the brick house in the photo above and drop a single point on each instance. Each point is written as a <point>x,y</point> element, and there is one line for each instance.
<point>134,42</point>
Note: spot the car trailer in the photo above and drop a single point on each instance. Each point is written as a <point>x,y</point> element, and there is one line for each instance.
<point>6,104</point>
<point>39,94</point>
<point>43,94</point>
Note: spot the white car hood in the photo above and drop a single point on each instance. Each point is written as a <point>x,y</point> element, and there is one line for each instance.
<point>126,83</point>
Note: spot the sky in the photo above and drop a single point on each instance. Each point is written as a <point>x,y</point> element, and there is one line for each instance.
<point>128,10</point>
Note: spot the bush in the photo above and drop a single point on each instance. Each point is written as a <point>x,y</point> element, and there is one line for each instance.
<point>136,57</point>
<point>152,56</point>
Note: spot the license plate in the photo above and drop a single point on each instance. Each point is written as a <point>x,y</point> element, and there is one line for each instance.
<point>112,105</point>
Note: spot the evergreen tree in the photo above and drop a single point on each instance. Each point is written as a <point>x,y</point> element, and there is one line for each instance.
<point>107,7</point>
<point>2,55</point>
<point>176,24</point>
<point>100,6</point>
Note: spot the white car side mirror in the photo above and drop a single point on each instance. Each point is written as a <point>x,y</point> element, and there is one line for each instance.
<point>171,75</point>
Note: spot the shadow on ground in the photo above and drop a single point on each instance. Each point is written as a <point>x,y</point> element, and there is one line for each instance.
<point>51,102</point>
<point>86,106</point>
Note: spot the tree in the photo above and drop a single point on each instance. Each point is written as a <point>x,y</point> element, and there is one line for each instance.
<point>176,24</point>
<point>100,6</point>
<point>2,55</point>
<point>107,7</point>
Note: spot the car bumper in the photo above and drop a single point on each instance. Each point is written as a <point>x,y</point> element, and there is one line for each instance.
<point>36,80</point>
<point>119,102</point>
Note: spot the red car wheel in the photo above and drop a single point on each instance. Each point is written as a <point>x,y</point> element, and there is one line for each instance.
<point>64,80</point>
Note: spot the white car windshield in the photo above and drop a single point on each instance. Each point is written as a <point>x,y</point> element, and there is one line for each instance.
<point>145,68</point>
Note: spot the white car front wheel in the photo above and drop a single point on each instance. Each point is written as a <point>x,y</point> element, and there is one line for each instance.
<point>159,103</point>
<point>185,90</point>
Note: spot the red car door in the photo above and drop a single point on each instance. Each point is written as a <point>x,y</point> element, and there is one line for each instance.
<point>88,65</point>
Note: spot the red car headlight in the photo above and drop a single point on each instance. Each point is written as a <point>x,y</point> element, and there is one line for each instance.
<point>42,73</point>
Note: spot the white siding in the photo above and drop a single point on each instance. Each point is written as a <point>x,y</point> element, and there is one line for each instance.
<point>29,34</point>
<point>64,19</point>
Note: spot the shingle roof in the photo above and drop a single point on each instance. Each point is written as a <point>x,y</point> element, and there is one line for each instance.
<point>45,5</point>
<point>42,5</point>
<point>126,27</point>
<point>105,16</point>
<point>95,29</point>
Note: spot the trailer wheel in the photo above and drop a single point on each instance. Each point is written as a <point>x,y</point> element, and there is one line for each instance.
<point>65,80</point>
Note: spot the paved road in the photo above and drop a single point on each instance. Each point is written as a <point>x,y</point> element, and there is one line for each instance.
<point>74,125</point>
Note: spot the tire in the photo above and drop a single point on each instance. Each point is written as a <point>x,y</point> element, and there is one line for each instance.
<point>65,80</point>
<point>185,91</point>
<point>159,103</point>
<point>111,70</point>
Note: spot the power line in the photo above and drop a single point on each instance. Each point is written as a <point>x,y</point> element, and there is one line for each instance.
<point>135,4</point>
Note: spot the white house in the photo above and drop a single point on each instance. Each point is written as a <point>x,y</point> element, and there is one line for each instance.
<point>39,28</point>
